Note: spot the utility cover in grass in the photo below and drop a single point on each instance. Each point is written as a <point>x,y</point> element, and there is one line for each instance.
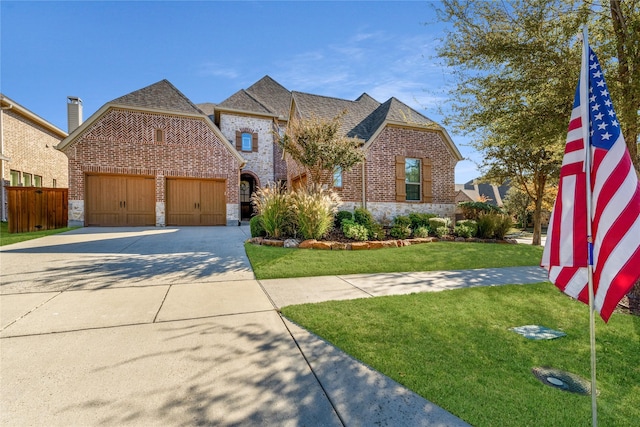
<point>537,332</point>
<point>562,380</point>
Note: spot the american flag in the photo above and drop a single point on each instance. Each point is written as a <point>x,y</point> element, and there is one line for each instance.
<point>615,205</point>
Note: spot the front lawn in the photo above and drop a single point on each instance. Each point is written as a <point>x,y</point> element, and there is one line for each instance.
<point>7,239</point>
<point>270,262</point>
<point>455,349</point>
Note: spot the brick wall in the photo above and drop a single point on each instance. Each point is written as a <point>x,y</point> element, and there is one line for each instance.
<point>380,174</point>
<point>30,148</point>
<point>123,142</point>
<point>393,141</point>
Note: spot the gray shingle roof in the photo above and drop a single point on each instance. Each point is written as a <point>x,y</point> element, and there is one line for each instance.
<point>325,107</point>
<point>363,117</point>
<point>162,96</point>
<point>264,96</point>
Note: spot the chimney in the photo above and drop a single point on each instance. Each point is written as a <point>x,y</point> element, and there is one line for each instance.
<point>74,112</point>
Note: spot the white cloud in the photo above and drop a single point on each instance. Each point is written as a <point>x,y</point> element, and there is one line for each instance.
<point>212,69</point>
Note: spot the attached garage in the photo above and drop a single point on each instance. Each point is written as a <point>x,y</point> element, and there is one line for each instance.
<point>152,158</point>
<point>117,200</point>
<point>196,202</point>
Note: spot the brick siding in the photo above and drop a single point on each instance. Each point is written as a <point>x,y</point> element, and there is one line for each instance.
<point>123,142</point>
<point>30,148</point>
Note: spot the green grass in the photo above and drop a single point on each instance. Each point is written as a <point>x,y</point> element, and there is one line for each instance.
<point>270,262</point>
<point>8,239</point>
<point>454,349</point>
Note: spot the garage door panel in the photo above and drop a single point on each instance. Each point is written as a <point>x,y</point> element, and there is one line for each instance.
<point>213,207</point>
<point>182,195</point>
<point>196,202</point>
<point>116,200</point>
<point>140,202</point>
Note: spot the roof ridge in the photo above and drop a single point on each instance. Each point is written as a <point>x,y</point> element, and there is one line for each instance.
<point>322,96</point>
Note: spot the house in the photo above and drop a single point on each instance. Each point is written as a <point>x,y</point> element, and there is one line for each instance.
<point>409,159</point>
<point>474,191</point>
<point>27,152</point>
<point>151,157</point>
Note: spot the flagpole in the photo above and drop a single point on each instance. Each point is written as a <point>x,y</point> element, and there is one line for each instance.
<point>584,101</point>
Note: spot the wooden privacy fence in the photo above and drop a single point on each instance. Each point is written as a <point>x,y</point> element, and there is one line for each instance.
<point>36,208</point>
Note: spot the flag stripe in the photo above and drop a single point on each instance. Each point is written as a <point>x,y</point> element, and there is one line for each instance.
<point>615,204</point>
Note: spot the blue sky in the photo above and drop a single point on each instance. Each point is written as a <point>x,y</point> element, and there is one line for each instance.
<point>100,51</point>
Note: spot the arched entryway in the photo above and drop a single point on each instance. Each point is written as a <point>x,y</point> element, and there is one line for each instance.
<point>248,185</point>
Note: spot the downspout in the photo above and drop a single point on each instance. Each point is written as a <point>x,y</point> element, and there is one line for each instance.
<point>2,160</point>
<point>364,185</point>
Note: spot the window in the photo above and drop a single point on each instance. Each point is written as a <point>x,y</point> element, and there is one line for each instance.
<point>15,178</point>
<point>337,177</point>
<point>412,178</point>
<point>27,179</point>
<point>246,141</point>
<point>37,181</point>
<point>245,192</point>
<point>159,135</point>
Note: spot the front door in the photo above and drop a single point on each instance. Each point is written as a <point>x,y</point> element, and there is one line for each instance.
<point>247,187</point>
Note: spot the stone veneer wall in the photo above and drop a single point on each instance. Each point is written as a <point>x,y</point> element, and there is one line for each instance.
<point>122,142</point>
<point>261,163</point>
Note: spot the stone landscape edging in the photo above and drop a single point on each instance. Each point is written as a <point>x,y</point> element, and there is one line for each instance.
<point>371,244</point>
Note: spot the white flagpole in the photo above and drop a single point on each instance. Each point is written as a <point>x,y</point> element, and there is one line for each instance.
<point>584,102</point>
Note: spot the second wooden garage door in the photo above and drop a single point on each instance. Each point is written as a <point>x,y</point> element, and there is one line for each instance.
<point>196,202</point>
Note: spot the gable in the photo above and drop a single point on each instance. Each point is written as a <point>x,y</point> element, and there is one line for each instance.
<point>159,96</point>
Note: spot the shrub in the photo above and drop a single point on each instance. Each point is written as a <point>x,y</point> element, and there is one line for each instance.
<point>486,226</point>
<point>401,227</point>
<point>313,212</point>
<point>402,221</point>
<point>341,216</point>
<point>274,206</point>
<point>471,224</point>
<point>439,222</point>
<point>363,217</point>
<point>420,219</point>
<point>442,231</point>
<point>421,232</point>
<point>503,225</point>
<point>400,231</point>
<point>256,227</point>
<point>473,210</point>
<point>494,226</point>
<point>355,231</point>
<point>463,230</point>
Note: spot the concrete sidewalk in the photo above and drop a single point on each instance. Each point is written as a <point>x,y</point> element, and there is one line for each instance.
<point>123,327</point>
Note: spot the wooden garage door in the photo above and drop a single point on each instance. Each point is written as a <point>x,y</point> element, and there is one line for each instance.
<point>196,202</point>
<point>117,200</point>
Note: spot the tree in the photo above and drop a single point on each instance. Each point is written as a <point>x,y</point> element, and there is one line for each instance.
<point>616,35</point>
<point>517,203</point>
<point>317,145</point>
<point>511,62</point>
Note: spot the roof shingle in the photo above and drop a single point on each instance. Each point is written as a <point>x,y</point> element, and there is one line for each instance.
<point>162,96</point>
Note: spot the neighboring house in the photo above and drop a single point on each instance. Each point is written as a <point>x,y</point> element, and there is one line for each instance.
<point>410,160</point>
<point>27,152</point>
<point>474,192</point>
<point>151,158</point>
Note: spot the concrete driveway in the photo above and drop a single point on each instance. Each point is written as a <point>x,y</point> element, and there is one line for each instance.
<point>167,326</point>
